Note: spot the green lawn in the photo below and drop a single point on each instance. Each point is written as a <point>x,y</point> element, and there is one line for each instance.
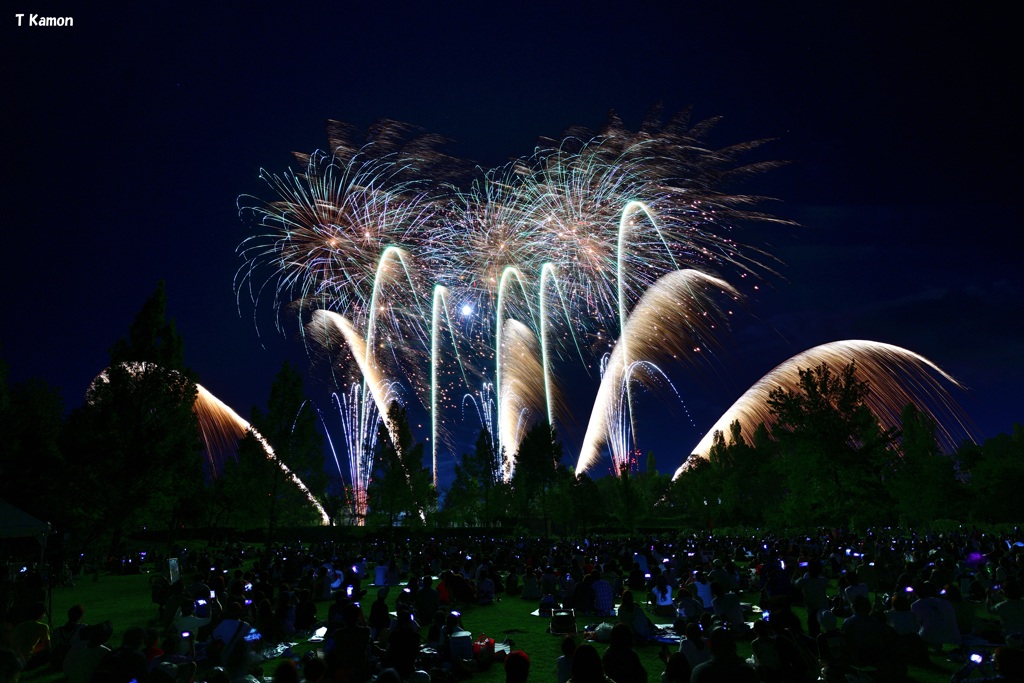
<point>125,600</point>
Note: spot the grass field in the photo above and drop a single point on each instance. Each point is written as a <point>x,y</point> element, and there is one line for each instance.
<point>125,601</point>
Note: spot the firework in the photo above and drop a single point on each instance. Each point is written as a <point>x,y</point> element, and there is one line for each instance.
<point>896,375</point>
<point>598,245</point>
<point>673,320</point>
<point>323,238</point>
<point>521,401</point>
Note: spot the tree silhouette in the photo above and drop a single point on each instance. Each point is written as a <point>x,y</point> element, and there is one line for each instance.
<point>290,426</point>
<point>402,486</point>
<point>30,428</point>
<point>135,443</point>
<point>832,451</point>
<point>537,460</point>
<point>923,480</point>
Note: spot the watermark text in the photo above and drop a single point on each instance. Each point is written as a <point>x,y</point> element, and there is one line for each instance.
<point>40,21</point>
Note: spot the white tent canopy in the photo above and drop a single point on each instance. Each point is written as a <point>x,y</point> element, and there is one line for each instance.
<point>15,523</point>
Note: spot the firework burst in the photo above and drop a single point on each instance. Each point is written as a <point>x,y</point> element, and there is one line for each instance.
<point>409,267</point>
<point>897,376</point>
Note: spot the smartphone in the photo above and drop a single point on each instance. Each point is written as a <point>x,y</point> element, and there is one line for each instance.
<point>348,591</point>
<point>977,659</point>
<point>213,594</point>
<point>185,634</point>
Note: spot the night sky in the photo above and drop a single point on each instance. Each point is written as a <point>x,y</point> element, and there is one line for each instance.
<point>129,137</point>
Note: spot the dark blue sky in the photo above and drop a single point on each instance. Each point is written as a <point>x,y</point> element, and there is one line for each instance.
<point>129,137</point>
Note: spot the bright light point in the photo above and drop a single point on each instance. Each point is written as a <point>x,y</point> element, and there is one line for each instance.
<point>466,309</point>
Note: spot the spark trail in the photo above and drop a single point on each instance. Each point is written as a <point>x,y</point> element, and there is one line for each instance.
<point>897,376</point>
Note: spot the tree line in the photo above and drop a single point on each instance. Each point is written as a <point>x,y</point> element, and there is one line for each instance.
<point>131,457</point>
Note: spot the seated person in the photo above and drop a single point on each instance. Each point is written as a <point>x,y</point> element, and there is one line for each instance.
<point>427,601</point>
<point>603,595</point>
<point>693,645</point>
<point>484,589</point>
<point>725,664</point>
<point>1010,610</point>
<point>531,587</point>
<point>661,597</point>
<point>512,585</point>
<point>765,649</point>
<point>31,638</point>
<point>687,608</point>
<point>305,611</point>
<point>935,616</point>
<point>403,646</point>
<point>632,615</point>
<point>187,619</point>
<point>621,662</point>
<point>582,599</point>
<point>727,607</point>
<point>833,652</point>
<point>872,642</point>
<point>348,649</point>
<point>1008,663</point>
<point>854,587</point>
<point>83,659</point>
<point>230,632</point>
<point>517,667</point>
<point>67,636</point>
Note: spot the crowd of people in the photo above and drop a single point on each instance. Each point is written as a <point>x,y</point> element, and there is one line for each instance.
<point>391,610</point>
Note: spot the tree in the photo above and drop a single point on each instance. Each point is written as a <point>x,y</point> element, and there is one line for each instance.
<point>587,503</point>
<point>692,489</point>
<point>290,426</point>
<point>923,480</point>
<point>537,461</point>
<point>258,488</point>
<point>402,486</point>
<point>832,450</point>
<point>477,476</point>
<point>485,467</point>
<point>743,473</point>
<point>629,505</point>
<point>997,477</point>
<point>134,447</point>
<point>30,429</point>
<point>462,501</point>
